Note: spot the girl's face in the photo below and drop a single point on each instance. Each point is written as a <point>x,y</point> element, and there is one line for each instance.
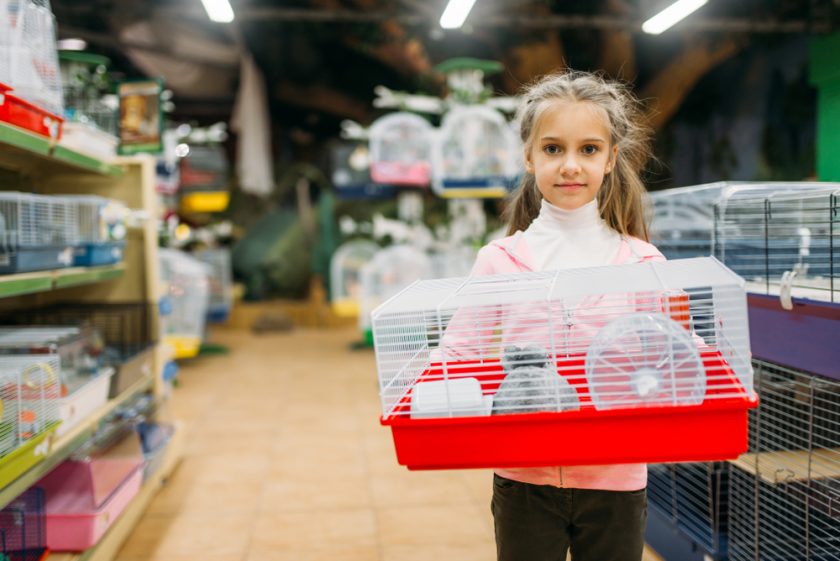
<point>571,153</point>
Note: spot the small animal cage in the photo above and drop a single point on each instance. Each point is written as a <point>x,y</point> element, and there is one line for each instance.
<point>81,382</point>
<point>37,232</point>
<point>187,297</point>
<point>345,271</point>
<point>23,528</point>
<point>126,328</point>
<point>391,270</point>
<point>220,282</point>
<point>101,230</point>
<point>683,219</point>
<point>29,400</point>
<point>784,501</point>
<point>782,236</point>
<point>400,150</point>
<point>475,154</point>
<point>32,64</point>
<point>608,361</point>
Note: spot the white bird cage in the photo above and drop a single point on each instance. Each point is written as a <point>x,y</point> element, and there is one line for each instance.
<point>345,275</point>
<point>37,232</point>
<point>634,363</point>
<point>29,394</point>
<point>187,299</point>
<point>221,283</point>
<point>400,150</point>
<point>101,230</point>
<point>782,237</point>
<point>475,154</point>
<point>28,45</point>
<point>390,271</point>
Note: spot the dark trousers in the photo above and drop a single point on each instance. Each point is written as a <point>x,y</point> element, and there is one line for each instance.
<point>541,522</point>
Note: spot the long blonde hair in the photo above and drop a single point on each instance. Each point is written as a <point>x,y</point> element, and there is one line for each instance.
<point>621,197</point>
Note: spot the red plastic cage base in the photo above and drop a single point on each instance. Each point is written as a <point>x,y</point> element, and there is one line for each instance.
<point>714,430</point>
<point>21,113</point>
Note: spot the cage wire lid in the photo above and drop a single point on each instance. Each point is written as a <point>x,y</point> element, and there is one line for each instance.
<point>512,289</point>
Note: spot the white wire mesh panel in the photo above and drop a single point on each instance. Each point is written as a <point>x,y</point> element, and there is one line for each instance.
<point>529,339</point>
<point>474,148</point>
<point>683,219</point>
<point>782,234</point>
<point>346,267</point>
<point>33,59</point>
<point>59,222</point>
<point>30,391</point>
<point>97,219</point>
<point>784,494</point>
<point>17,220</point>
<point>694,497</point>
<point>400,149</point>
<point>188,293</point>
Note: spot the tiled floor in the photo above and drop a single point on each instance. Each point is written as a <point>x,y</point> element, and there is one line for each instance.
<point>286,461</point>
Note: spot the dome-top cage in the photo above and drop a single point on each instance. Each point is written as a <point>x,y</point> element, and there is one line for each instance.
<point>475,154</point>
<point>345,272</point>
<point>400,150</point>
<point>391,270</point>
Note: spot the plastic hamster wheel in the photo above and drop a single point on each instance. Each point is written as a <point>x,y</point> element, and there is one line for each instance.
<point>644,359</point>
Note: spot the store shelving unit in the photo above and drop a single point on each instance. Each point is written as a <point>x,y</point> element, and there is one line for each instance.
<point>50,169</point>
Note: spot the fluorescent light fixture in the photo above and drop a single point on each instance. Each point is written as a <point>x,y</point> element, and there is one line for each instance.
<point>671,15</point>
<point>71,44</point>
<point>455,13</point>
<point>218,10</point>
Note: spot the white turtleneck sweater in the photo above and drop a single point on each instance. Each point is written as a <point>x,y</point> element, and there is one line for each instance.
<point>569,239</point>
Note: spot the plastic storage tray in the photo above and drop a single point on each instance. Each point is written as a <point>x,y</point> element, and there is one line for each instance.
<point>21,113</point>
<point>714,430</point>
<point>103,253</point>
<point>79,405</point>
<point>85,496</point>
<point>21,459</point>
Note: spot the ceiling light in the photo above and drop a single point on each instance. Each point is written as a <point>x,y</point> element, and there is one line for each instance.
<point>455,13</point>
<point>218,10</point>
<point>71,44</point>
<point>671,15</point>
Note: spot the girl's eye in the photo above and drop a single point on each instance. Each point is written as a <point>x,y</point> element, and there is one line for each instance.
<point>552,149</point>
<point>590,149</point>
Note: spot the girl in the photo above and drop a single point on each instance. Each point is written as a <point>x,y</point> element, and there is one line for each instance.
<point>579,205</point>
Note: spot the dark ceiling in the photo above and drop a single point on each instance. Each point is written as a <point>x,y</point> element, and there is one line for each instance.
<point>322,58</point>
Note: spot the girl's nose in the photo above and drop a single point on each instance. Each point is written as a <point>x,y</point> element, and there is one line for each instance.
<point>569,166</point>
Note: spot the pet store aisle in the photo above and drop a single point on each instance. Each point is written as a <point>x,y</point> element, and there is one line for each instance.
<point>286,461</point>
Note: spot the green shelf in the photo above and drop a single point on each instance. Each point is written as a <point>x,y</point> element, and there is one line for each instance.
<point>86,275</point>
<point>63,448</point>
<point>23,150</point>
<point>44,281</point>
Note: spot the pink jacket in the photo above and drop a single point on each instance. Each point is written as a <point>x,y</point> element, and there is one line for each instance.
<point>511,255</point>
